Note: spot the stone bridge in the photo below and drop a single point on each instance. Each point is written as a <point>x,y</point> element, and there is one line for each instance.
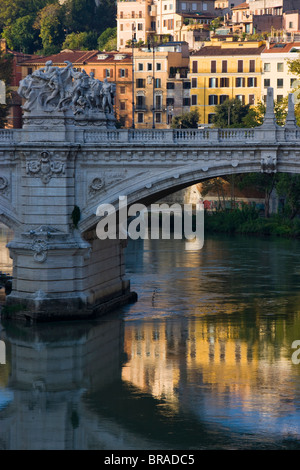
<point>59,168</point>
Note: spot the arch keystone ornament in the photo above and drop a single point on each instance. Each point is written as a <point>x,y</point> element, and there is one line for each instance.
<point>268,162</point>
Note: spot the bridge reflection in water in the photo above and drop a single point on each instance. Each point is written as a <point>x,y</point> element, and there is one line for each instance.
<point>169,372</point>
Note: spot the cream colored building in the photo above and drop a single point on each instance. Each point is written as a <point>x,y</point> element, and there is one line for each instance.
<point>171,20</point>
<point>161,86</point>
<point>275,70</point>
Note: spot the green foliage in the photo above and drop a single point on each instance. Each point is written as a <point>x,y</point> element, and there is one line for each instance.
<point>187,120</point>
<point>29,25</point>
<point>84,41</point>
<point>231,113</point>
<point>247,221</point>
<point>107,39</point>
<point>50,22</point>
<point>11,10</point>
<point>20,35</point>
<point>288,186</point>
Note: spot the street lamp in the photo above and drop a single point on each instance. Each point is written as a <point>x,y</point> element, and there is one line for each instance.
<point>133,41</point>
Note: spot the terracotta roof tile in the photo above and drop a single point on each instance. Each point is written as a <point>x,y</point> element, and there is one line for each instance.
<point>217,50</point>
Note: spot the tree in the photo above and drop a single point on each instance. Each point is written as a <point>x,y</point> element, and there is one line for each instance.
<point>186,120</point>
<point>50,22</point>
<point>263,182</point>
<point>231,113</point>
<point>80,15</point>
<point>6,71</point>
<point>20,35</point>
<point>288,186</point>
<point>81,41</point>
<point>11,10</point>
<point>107,38</point>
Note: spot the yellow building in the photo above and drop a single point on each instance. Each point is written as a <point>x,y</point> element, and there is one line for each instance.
<point>225,69</point>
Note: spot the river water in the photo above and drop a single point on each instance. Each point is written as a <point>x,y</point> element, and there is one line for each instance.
<point>203,360</point>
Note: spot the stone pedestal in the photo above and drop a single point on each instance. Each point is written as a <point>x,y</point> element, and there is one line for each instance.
<point>64,276</point>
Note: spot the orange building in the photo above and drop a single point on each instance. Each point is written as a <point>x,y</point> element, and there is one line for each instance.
<point>115,66</point>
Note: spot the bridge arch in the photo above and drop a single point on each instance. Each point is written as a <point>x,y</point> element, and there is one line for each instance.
<point>174,180</point>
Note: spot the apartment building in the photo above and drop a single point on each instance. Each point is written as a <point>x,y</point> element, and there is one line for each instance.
<point>115,66</point>
<point>170,20</point>
<point>161,86</point>
<point>257,16</point>
<point>275,70</point>
<point>225,69</point>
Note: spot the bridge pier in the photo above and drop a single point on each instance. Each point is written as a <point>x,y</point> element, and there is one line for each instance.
<point>59,277</point>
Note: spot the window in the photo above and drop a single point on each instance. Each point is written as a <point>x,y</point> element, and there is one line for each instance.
<point>280,67</point>
<point>251,65</point>
<point>291,24</point>
<point>140,14</point>
<point>204,6</point>
<point>186,102</point>
<point>212,100</point>
<point>108,73</point>
<point>240,66</point>
<point>121,42</point>
<point>149,66</point>
<point>224,66</point>
<point>170,85</point>
<point>251,82</point>
<point>140,67</point>
<point>158,102</point>
<point>186,85</point>
<point>140,27</point>
<point>123,73</point>
<point>140,83</point>
<point>140,102</point>
<point>267,67</point>
<point>241,98</point>
<point>140,118</point>
<point>213,83</point>
<point>195,66</point>
<point>121,27</point>
<point>158,66</point>
<point>158,118</point>
<point>170,101</point>
<point>183,6</point>
<point>224,82</point>
<point>122,90</point>
<point>29,70</point>
<point>211,118</point>
<point>292,81</point>
<point>194,100</point>
<point>194,6</point>
<point>132,14</point>
<point>194,82</point>
<point>122,105</point>
<point>157,83</point>
<point>266,82</point>
<point>251,99</point>
<point>213,66</point>
<point>223,98</point>
<point>279,82</point>
<point>239,82</point>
